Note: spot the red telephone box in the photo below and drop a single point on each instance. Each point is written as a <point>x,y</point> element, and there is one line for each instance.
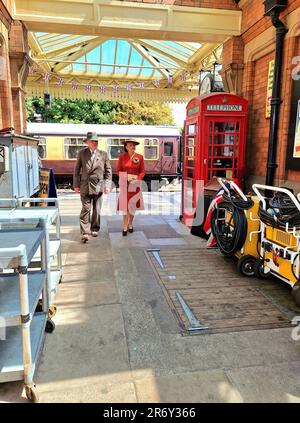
<point>214,144</point>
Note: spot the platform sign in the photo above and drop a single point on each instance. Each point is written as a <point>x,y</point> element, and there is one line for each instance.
<point>270,88</point>
<point>47,185</point>
<point>297,134</point>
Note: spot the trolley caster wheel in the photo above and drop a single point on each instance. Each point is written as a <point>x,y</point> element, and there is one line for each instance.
<point>246,265</point>
<point>52,311</point>
<point>50,326</point>
<point>31,393</point>
<point>296,293</point>
<point>259,270</point>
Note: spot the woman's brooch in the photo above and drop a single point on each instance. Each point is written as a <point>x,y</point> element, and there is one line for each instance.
<point>136,160</point>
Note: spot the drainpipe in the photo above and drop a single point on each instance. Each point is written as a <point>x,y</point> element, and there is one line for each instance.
<point>273,9</point>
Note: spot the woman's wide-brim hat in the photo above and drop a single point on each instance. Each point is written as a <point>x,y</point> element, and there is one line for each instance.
<point>124,142</point>
<point>91,136</point>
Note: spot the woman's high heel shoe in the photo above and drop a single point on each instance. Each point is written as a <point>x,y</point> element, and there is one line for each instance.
<point>130,230</point>
<point>124,233</point>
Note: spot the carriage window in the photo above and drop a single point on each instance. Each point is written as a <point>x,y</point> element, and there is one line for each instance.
<point>42,152</point>
<point>168,149</point>
<point>151,148</point>
<point>73,146</point>
<point>115,147</point>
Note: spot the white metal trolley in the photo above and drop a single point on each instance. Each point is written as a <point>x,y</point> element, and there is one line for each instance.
<point>22,329</point>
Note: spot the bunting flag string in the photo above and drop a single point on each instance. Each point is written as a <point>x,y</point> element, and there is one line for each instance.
<point>103,89</point>
<point>47,76</point>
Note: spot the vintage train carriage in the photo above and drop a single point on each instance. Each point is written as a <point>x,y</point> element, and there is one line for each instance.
<point>59,144</point>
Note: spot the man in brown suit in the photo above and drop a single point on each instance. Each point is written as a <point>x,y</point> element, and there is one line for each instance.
<point>94,180</point>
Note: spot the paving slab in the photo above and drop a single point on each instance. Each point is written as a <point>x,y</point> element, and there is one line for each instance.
<point>136,239</point>
<point>97,392</point>
<point>179,227</point>
<point>87,343</point>
<point>199,387</point>
<point>89,272</point>
<point>168,241</point>
<point>91,253</point>
<point>74,295</point>
<point>275,383</point>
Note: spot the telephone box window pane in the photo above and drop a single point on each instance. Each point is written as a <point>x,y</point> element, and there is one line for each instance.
<point>224,127</point>
<point>223,151</point>
<point>168,149</point>
<point>191,129</point>
<point>237,127</point>
<point>190,163</point>
<point>190,152</point>
<point>219,139</point>
<point>219,127</point>
<point>190,142</point>
<point>219,173</point>
<point>229,174</point>
<point>229,126</point>
<point>229,139</point>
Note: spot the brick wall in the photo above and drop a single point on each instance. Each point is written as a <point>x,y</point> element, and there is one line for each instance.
<point>258,129</point>
<point>14,46</point>
<point>255,23</point>
<point>233,51</point>
<point>217,4</point>
<point>254,88</point>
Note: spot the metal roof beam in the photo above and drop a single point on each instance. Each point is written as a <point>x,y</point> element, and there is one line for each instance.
<point>162,51</point>
<point>80,53</point>
<point>66,49</point>
<point>143,52</point>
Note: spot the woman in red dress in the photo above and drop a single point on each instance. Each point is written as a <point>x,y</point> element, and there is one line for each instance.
<point>131,171</point>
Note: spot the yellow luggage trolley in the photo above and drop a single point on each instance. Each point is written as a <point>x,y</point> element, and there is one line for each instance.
<point>280,236</point>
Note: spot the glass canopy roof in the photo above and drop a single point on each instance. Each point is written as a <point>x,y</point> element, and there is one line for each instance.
<point>65,60</point>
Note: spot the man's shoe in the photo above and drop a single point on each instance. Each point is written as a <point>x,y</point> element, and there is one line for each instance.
<point>95,234</point>
<point>84,238</point>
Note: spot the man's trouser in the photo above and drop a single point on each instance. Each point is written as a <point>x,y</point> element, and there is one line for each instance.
<point>90,223</point>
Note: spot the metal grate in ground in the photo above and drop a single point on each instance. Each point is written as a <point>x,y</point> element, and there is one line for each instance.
<point>218,297</point>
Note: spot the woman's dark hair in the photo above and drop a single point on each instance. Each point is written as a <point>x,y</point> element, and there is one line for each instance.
<point>125,149</point>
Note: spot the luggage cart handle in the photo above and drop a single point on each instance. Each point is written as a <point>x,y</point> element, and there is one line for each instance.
<point>233,186</point>
<point>257,188</point>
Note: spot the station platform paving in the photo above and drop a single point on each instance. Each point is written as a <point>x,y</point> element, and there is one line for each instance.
<point>116,339</point>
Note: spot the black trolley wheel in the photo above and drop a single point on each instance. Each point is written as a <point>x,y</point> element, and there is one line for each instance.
<point>50,326</point>
<point>246,265</point>
<point>259,270</point>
